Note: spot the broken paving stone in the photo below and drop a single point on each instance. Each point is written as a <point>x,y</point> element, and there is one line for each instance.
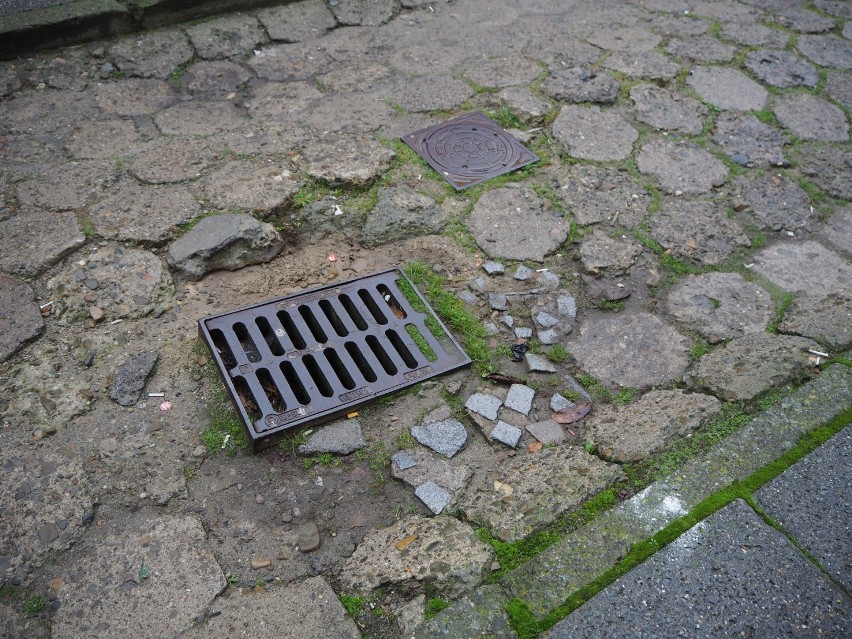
<point>546,320</point>
<point>810,118</point>
<point>559,402</point>
<point>341,438</point>
<point>697,230</point>
<point>440,414</point>
<point>838,85</point>
<point>824,318</point>
<point>445,551</point>
<point>579,84</point>
<point>468,298</point>
<point>446,437</point>
<point>720,305</point>
<point>539,363</point>
<point>435,497</point>
<point>400,213</point>
<point>493,268</point>
<point>522,273</point>
<point>600,253</point>
<point>826,50</point>
<point>34,239</point>
<point>681,168</point>
<point>837,230</point>
<point>545,486</point>
<point>668,110</point>
<point>519,399</point>
<point>749,366</point>
<point>652,423</point>
<point>633,40</point>
<point>249,185</point>
<point>228,241</point>
<point>757,143</point>
<point>828,167</point>
<point>548,431</point>
<point>614,348</point>
<point>774,202</point>
<point>130,379</point>
<point>727,89</point>
<point>485,405</point>
<point>151,54</point>
<point>498,301</point>
<point>479,284</point>
<point>167,160</point>
<point>524,103</point>
<point>549,336</point>
<point>806,267</point>
<point>506,434</point>
<point>403,460</point>
<point>567,306</point>
<point>298,21</point>
<point>523,332</point>
<point>513,223</point>
<point>308,537</point>
<point>491,328</point>
<point>590,134</point>
<point>430,467</point>
<point>650,65</point>
<point>548,279</point>
<point>226,36</point>
<point>781,68</point>
<point>346,160</point>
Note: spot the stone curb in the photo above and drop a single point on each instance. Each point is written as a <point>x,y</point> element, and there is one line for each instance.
<point>551,577</point>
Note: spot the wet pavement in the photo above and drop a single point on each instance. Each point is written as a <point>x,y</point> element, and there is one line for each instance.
<point>679,251</point>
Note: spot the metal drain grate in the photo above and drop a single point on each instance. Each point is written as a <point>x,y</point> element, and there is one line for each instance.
<point>316,355</point>
<point>469,149</point>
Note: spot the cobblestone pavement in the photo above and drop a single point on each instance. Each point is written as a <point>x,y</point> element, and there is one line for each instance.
<point>678,260</point>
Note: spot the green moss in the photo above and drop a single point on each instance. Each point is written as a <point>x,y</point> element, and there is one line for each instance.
<point>87,226</point>
<point>505,118</point>
<point>598,391</point>
<point>34,605</point>
<point>782,300</point>
<point>609,305</point>
<point>405,440</point>
<point>225,430</point>
<point>354,605</point>
<point>557,354</point>
<point>434,606</point>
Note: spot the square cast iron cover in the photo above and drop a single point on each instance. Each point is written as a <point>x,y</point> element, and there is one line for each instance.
<point>469,149</point>
<point>316,355</point>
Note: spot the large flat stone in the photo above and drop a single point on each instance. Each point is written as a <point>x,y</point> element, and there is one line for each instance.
<point>72,186</point>
<point>749,140</point>
<point>512,223</point>
<point>837,230</point>
<point>650,65</point>
<point>668,110</point>
<point>530,491</point>
<point>727,89</point>
<point>701,48</point>
<point>681,168</point>
<point>341,438</point>
<point>480,614</point>
<point>133,96</point>
<point>346,160</point>
<point>806,267</point>
<point>601,253</point>
<point>633,40</point>
<point>824,318</point>
<point>579,84</point>
<point>596,194</point>
<point>590,134</point>
<point>635,350</point>
<point>650,424</point>
<point>828,166</point>
<point>400,213</point>
<point>289,62</point>
<point>827,50</point>
<point>697,230</point>
<point>103,139</point>
<point>297,21</point>
<point>298,610</point>
<point>774,202</point>
<point>811,118</point>
<point>210,80</point>
<point>226,36</point>
<point>781,68</point>
<point>20,318</point>
<point>427,93</point>
<point>228,241</point>
<point>719,579</point>
<point>811,501</point>
<point>430,467</point>
<point>200,118</point>
<point>126,576</point>
<point>167,160</point>
<point>720,305</point>
<point>447,436</point>
<point>838,85</point>
<point>749,366</point>
<point>444,552</point>
<point>262,185</point>
<point>152,54</point>
<point>34,239</point>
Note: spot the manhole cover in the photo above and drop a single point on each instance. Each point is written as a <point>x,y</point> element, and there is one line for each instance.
<point>469,149</point>
<point>317,355</point>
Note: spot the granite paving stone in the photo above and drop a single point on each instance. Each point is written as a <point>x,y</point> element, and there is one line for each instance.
<point>806,267</point>
<point>421,466</point>
<point>341,438</point>
<point>826,50</point>
<point>484,404</point>
<point>35,239</point>
<point>580,84</point>
<point>567,306</point>
<point>719,571</point>
<point>749,366</point>
<point>559,402</point>
<point>346,160</point>
<point>650,424</point>
<point>143,214</point>
<point>727,89</point>
<point>493,268</point>
<point>447,437</point>
<point>498,302</point>
<point>214,79</point>
<point>697,230</point>
<point>681,167</point>
<point>297,21</point>
<point>20,319</point>
<point>400,213</point>
<point>838,85</point>
<point>403,461</point>
<point>548,431</point>
<point>744,136</point>
<point>262,185</point>
<point>538,363</point>
<point>506,433</point>
<point>811,118</point>
<point>226,36</point>
<point>548,337</point>
<point>480,613</point>
<point>781,68</point>
<point>720,305</point>
<point>612,349</point>
<point>588,133</point>
<point>650,65</point>
<point>837,230</point>
<point>811,502</point>
<point>523,332</point>
<point>199,118</point>
<point>513,223</point>
<point>152,54</point>
<point>103,139</point>
<point>444,551</point>
<point>824,318</point>
<point>703,49</point>
<point>546,320</point>
<point>531,490</point>
<point>167,160</point>
<point>435,497</point>
<point>773,202</point>
<point>600,253</point>
<point>468,298</point>
<point>668,110</point>
<point>828,167</point>
<point>597,194</point>
<point>519,398</point>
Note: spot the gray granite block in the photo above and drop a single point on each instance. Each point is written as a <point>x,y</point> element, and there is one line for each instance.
<point>506,434</point>
<point>446,437</point>
<point>435,497</point>
<point>494,268</point>
<point>482,404</point>
<point>520,398</point>
<point>403,460</point>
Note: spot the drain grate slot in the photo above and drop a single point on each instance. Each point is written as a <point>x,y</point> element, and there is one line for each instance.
<point>316,355</point>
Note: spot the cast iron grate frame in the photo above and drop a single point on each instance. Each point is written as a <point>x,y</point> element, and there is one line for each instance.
<point>313,356</point>
<point>469,149</point>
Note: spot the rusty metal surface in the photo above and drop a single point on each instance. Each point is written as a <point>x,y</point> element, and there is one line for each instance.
<point>316,355</point>
<point>469,149</point>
